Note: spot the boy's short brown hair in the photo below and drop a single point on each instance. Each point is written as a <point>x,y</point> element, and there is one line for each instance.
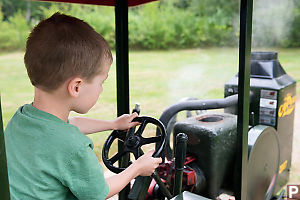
<point>61,47</point>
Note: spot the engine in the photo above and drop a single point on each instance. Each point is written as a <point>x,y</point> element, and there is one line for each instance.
<point>209,167</point>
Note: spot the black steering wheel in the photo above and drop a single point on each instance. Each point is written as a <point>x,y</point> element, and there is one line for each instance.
<point>133,141</point>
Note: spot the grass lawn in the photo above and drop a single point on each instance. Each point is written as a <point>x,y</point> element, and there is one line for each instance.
<point>157,80</point>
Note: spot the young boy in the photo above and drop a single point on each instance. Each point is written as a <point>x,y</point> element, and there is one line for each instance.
<point>48,156</point>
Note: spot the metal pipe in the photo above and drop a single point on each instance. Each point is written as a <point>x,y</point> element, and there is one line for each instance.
<point>142,184</point>
<point>161,185</point>
<point>180,154</point>
<point>197,105</point>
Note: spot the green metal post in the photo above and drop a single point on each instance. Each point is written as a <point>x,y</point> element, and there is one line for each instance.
<point>4,185</point>
<point>122,72</point>
<point>243,96</point>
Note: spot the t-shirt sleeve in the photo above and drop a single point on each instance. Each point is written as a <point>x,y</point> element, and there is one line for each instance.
<point>84,175</point>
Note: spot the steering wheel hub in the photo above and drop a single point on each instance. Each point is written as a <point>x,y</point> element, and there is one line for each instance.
<point>133,141</point>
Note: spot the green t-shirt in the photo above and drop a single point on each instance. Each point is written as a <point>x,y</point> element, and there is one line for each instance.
<point>48,158</point>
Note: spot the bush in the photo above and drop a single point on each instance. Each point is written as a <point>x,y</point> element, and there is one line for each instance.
<point>149,29</point>
<point>13,32</point>
<point>162,27</point>
<point>293,39</point>
<point>100,18</point>
<point>169,24</point>
<point>159,25</point>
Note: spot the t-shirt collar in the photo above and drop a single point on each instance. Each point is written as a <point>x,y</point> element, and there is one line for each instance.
<point>33,111</point>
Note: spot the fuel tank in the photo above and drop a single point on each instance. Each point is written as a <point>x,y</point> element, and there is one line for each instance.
<point>212,139</point>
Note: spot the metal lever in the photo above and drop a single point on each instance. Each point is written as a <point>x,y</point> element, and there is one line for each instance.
<point>180,154</point>
<point>161,185</point>
<point>137,108</point>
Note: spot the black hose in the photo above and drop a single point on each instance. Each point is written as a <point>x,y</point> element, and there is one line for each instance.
<point>193,105</point>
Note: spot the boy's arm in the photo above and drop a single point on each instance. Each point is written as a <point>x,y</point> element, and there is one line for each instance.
<point>88,125</point>
<point>144,166</point>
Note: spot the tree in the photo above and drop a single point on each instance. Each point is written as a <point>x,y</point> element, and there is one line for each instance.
<point>10,7</point>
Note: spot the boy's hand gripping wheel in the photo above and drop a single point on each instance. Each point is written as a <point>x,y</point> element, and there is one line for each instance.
<point>133,141</point>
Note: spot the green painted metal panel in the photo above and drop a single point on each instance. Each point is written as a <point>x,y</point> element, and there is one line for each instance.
<point>272,104</point>
<point>4,185</point>
<point>212,138</point>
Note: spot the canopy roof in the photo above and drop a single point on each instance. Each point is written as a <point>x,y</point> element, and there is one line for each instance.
<point>102,2</point>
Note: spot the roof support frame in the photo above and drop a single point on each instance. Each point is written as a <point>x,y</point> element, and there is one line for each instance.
<point>4,184</point>
<point>122,73</point>
<point>246,10</point>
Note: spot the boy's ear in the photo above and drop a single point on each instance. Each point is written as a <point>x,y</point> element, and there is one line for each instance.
<point>74,86</point>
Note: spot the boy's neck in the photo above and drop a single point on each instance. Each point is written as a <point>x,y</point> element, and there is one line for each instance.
<point>51,103</point>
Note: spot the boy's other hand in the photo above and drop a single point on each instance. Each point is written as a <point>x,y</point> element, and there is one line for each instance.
<point>146,164</point>
<point>124,122</point>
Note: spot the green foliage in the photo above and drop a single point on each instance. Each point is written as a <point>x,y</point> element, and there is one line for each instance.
<point>100,18</point>
<point>293,39</point>
<point>10,7</point>
<point>160,25</point>
<point>163,26</point>
<point>148,28</point>
<point>272,22</point>
<point>14,31</point>
<point>47,12</point>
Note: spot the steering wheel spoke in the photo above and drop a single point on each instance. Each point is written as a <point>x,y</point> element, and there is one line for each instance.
<point>137,153</point>
<point>141,128</point>
<point>150,140</point>
<point>121,135</point>
<point>116,157</point>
